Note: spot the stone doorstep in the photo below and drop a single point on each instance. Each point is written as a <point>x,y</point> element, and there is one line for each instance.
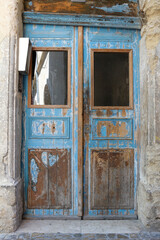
<point>80,226</point>
<point>81,230</point>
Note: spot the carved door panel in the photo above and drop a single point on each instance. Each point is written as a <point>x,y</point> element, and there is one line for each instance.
<point>111,122</point>
<point>50,117</point>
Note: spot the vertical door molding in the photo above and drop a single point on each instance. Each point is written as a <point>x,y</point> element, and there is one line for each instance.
<point>80,121</point>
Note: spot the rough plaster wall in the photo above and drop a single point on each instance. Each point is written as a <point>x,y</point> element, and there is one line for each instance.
<point>10,116</point>
<point>149,185</point>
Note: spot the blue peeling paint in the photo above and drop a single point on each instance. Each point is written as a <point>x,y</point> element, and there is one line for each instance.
<point>82,20</point>
<point>52,159</point>
<point>34,170</point>
<point>45,127</point>
<point>126,122</point>
<point>44,158</point>
<point>116,8</point>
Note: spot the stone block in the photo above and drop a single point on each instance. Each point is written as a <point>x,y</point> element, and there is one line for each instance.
<point>149,211</point>
<point>10,210</point>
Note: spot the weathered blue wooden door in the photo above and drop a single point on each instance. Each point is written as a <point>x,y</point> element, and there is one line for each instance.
<point>53,122</point>
<point>50,119</point>
<point>111,122</point>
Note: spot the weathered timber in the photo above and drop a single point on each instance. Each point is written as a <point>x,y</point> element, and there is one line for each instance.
<point>96,7</point>
<point>80,120</point>
<point>82,20</point>
<point>112,179</point>
<point>60,179</point>
<point>49,178</point>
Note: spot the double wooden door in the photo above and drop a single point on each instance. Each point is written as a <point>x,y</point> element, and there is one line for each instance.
<point>80,122</point>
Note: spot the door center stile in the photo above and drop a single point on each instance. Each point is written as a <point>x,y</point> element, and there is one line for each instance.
<point>80,121</point>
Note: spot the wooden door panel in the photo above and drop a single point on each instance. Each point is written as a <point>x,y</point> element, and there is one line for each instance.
<point>49,178</point>
<point>112,179</point>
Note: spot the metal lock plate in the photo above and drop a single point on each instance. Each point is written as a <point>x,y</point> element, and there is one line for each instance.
<point>87,128</point>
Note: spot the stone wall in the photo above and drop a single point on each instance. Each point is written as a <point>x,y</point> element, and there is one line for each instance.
<point>149,184</point>
<point>10,116</point>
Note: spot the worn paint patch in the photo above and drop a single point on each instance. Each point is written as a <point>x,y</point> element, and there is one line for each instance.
<point>64,111</point>
<point>53,128</point>
<point>99,113</point>
<point>109,113</point>
<point>116,9</point>
<point>123,113</point>
<point>112,129</point>
<point>34,171</point>
<point>44,158</point>
<point>52,159</point>
<point>41,127</point>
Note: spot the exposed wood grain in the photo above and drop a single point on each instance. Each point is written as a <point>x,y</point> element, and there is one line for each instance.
<point>86,109</point>
<point>109,7</point>
<point>60,179</point>
<point>112,179</point>
<point>99,180</point>
<point>131,78</point>
<point>121,179</point>
<point>30,83</point>
<point>80,120</point>
<point>49,178</point>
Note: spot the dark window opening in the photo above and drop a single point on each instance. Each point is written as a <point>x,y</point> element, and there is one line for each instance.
<point>111,79</point>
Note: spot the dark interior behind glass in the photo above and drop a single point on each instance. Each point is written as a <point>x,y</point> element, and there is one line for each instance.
<point>111,79</point>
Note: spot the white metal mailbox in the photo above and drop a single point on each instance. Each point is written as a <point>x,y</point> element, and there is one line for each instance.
<point>25,48</point>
